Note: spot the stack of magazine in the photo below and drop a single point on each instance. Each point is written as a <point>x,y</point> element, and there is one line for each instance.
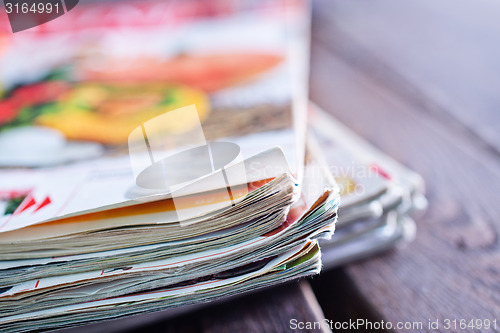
<point>378,194</point>
<point>168,157</point>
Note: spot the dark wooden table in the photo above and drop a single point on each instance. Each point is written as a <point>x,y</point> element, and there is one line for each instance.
<point>421,80</point>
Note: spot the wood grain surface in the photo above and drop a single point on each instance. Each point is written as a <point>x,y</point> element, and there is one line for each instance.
<point>444,54</point>
<point>359,75</point>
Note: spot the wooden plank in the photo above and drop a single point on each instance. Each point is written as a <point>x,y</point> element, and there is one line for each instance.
<point>270,310</point>
<point>451,269</point>
<point>439,54</point>
<point>342,301</point>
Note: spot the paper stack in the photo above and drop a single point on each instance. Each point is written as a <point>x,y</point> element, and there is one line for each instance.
<point>203,189</point>
<point>263,239</point>
<point>163,160</point>
<point>378,194</point>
